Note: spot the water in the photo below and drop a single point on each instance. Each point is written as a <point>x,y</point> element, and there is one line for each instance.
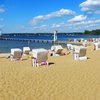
<point>5,46</point>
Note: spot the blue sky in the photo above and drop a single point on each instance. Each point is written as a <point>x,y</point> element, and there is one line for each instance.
<point>49,15</point>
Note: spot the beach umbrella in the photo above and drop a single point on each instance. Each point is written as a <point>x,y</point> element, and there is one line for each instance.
<point>55,36</point>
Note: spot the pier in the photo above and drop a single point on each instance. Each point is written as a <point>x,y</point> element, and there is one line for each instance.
<point>42,41</point>
<point>34,40</point>
<point>28,40</point>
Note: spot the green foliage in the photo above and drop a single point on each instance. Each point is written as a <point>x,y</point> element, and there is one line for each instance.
<point>93,32</point>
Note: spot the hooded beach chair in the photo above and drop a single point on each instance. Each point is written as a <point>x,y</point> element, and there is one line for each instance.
<point>71,47</point>
<point>85,44</point>
<point>16,54</point>
<point>97,46</point>
<point>80,53</point>
<point>40,57</point>
<point>56,50</point>
<point>26,50</point>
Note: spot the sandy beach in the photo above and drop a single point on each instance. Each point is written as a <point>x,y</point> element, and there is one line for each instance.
<point>63,79</point>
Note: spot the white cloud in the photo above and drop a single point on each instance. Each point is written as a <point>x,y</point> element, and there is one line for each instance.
<point>41,27</point>
<point>56,25</point>
<point>2,10</point>
<point>60,13</point>
<point>70,27</point>
<point>89,22</point>
<point>86,25</point>
<point>91,6</point>
<point>78,18</point>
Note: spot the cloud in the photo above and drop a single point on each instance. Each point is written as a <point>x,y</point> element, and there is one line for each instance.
<point>78,18</point>
<point>56,25</point>
<point>2,10</point>
<point>60,13</point>
<point>86,25</point>
<point>91,6</point>
<point>89,22</point>
<point>70,27</point>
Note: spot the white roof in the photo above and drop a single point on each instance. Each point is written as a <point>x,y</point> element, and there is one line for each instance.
<point>15,49</point>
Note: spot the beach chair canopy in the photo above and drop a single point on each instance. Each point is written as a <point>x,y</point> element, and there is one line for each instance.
<point>71,47</point>
<point>57,49</point>
<point>26,50</point>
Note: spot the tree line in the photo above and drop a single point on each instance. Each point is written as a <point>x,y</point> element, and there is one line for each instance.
<point>93,32</point>
<point>86,32</point>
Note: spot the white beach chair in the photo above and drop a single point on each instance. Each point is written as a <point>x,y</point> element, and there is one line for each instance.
<point>40,57</point>
<point>85,44</point>
<point>82,40</point>
<point>71,47</point>
<point>56,50</point>
<point>80,53</point>
<point>16,54</point>
<point>75,40</point>
<point>26,50</point>
<point>97,46</point>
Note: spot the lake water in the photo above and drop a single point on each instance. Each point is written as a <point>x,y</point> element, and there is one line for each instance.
<point>6,45</point>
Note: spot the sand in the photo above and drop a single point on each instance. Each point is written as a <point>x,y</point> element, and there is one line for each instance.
<point>64,79</point>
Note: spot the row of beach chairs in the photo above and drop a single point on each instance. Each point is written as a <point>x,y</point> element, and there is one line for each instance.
<point>16,53</point>
<point>40,56</point>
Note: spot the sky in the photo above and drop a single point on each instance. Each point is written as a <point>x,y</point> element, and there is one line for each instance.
<point>33,16</point>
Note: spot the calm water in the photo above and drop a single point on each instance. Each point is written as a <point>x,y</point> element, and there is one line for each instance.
<point>5,46</point>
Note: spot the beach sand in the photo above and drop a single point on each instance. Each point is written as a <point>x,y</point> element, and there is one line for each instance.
<point>63,79</point>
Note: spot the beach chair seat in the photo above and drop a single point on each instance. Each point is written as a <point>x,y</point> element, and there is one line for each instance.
<point>56,50</point>
<point>26,50</point>
<point>40,57</point>
<point>97,46</point>
<point>80,53</point>
<point>16,54</point>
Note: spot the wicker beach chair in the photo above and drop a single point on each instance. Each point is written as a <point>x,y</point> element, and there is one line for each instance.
<point>71,47</point>
<point>56,50</point>
<point>40,57</point>
<point>80,53</point>
<point>26,50</point>
<point>16,54</point>
<point>97,46</point>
